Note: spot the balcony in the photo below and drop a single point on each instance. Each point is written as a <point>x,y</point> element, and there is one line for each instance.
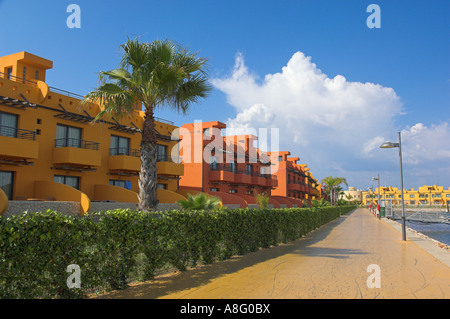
<point>243,177</point>
<point>221,173</point>
<point>169,165</point>
<point>258,179</point>
<point>76,152</point>
<point>18,143</point>
<point>271,180</point>
<point>124,160</point>
<point>294,187</point>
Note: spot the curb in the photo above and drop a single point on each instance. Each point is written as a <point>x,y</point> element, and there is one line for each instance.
<point>438,250</point>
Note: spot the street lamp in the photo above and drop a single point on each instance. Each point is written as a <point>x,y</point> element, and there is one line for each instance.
<point>399,145</point>
<point>378,203</point>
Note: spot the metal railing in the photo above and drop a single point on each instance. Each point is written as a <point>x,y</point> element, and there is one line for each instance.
<point>17,79</point>
<point>230,168</point>
<point>74,142</point>
<point>221,167</point>
<point>168,158</point>
<point>17,133</point>
<point>124,151</point>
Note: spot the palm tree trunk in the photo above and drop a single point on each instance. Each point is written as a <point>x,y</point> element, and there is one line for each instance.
<point>148,177</point>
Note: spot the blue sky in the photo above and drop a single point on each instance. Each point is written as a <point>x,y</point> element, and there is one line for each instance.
<point>409,54</point>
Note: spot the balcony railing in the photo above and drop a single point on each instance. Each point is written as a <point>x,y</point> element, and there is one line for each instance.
<point>168,158</point>
<point>17,133</point>
<point>17,79</point>
<point>74,142</point>
<point>124,151</point>
<point>221,167</point>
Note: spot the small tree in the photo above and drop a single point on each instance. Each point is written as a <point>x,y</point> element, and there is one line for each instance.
<point>262,199</point>
<point>201,201</point>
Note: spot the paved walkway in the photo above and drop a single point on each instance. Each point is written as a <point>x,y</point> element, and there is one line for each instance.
<point>330,262</point>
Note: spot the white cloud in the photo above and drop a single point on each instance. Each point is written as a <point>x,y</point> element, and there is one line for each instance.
<point>422,144</point>
<point>327,122</point>
<point>310,108</point>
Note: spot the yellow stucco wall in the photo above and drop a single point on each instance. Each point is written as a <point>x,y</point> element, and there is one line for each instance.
<point>61,192</point>
<point>47,159</point>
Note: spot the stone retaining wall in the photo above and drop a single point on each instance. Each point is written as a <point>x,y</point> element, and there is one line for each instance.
<point>16,207</point>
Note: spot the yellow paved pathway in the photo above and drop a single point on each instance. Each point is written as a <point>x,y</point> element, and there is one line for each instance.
<point>330,262</point>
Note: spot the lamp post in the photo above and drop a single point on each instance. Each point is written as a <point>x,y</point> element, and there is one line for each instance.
<point>378,202</point>
<point>371,197</point>
<point>399,145</point>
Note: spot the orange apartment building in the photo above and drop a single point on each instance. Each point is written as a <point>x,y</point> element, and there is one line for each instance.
<point>294,180</point>
<point>51,150</point>
<point>231,168</point>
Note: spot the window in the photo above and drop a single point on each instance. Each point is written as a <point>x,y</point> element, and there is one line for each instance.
<point>119,145</point>
<point>6,183</point>
<point>248,171</point>
<point>8,124</point>
<point>24,74</point>
<point>447,195</point>
<point>9,73</point>
<point>213,163</point>
<point>233,191</point>
<point>161,153</point>
<point>412,196</point>
<point>233,167</point>
<point>213,189</point>
<point>36,75</point>
<point>72,181</point>
<point>68,136</point>
<point>115,182</point>
<point>280,158</point>
<point>120,183</point>
<point>161,186</point>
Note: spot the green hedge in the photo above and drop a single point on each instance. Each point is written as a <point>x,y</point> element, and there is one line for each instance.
<point>119,246</point>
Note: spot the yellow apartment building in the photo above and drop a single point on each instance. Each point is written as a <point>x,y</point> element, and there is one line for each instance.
<point>51,150</point>
<point>425,195</point>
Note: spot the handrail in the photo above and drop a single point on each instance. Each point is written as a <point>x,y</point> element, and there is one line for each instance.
<point>9,131</point>
<point>74,142</point>
<point>168,158</point>
<point>124,151</point>
<point>17,79</point>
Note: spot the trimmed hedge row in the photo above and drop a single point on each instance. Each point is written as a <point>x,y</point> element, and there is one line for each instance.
<point>113,247</point>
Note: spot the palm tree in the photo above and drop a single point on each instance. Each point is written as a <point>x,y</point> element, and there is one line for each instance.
<point>157,74</point>
<point>201,201</point>
<point>332,184</point>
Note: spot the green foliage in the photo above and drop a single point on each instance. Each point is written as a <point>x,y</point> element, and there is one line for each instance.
<point>319,203</point>
<point>200,201</point>
<point>115,247</point>
<point>262,199</point>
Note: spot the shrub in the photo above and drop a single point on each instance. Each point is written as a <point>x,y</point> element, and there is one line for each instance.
<point>262,199</point>
<point>115,247</point>
<point>200,201</point>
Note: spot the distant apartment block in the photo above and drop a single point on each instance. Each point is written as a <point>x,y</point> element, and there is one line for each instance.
<point>424,195</point>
